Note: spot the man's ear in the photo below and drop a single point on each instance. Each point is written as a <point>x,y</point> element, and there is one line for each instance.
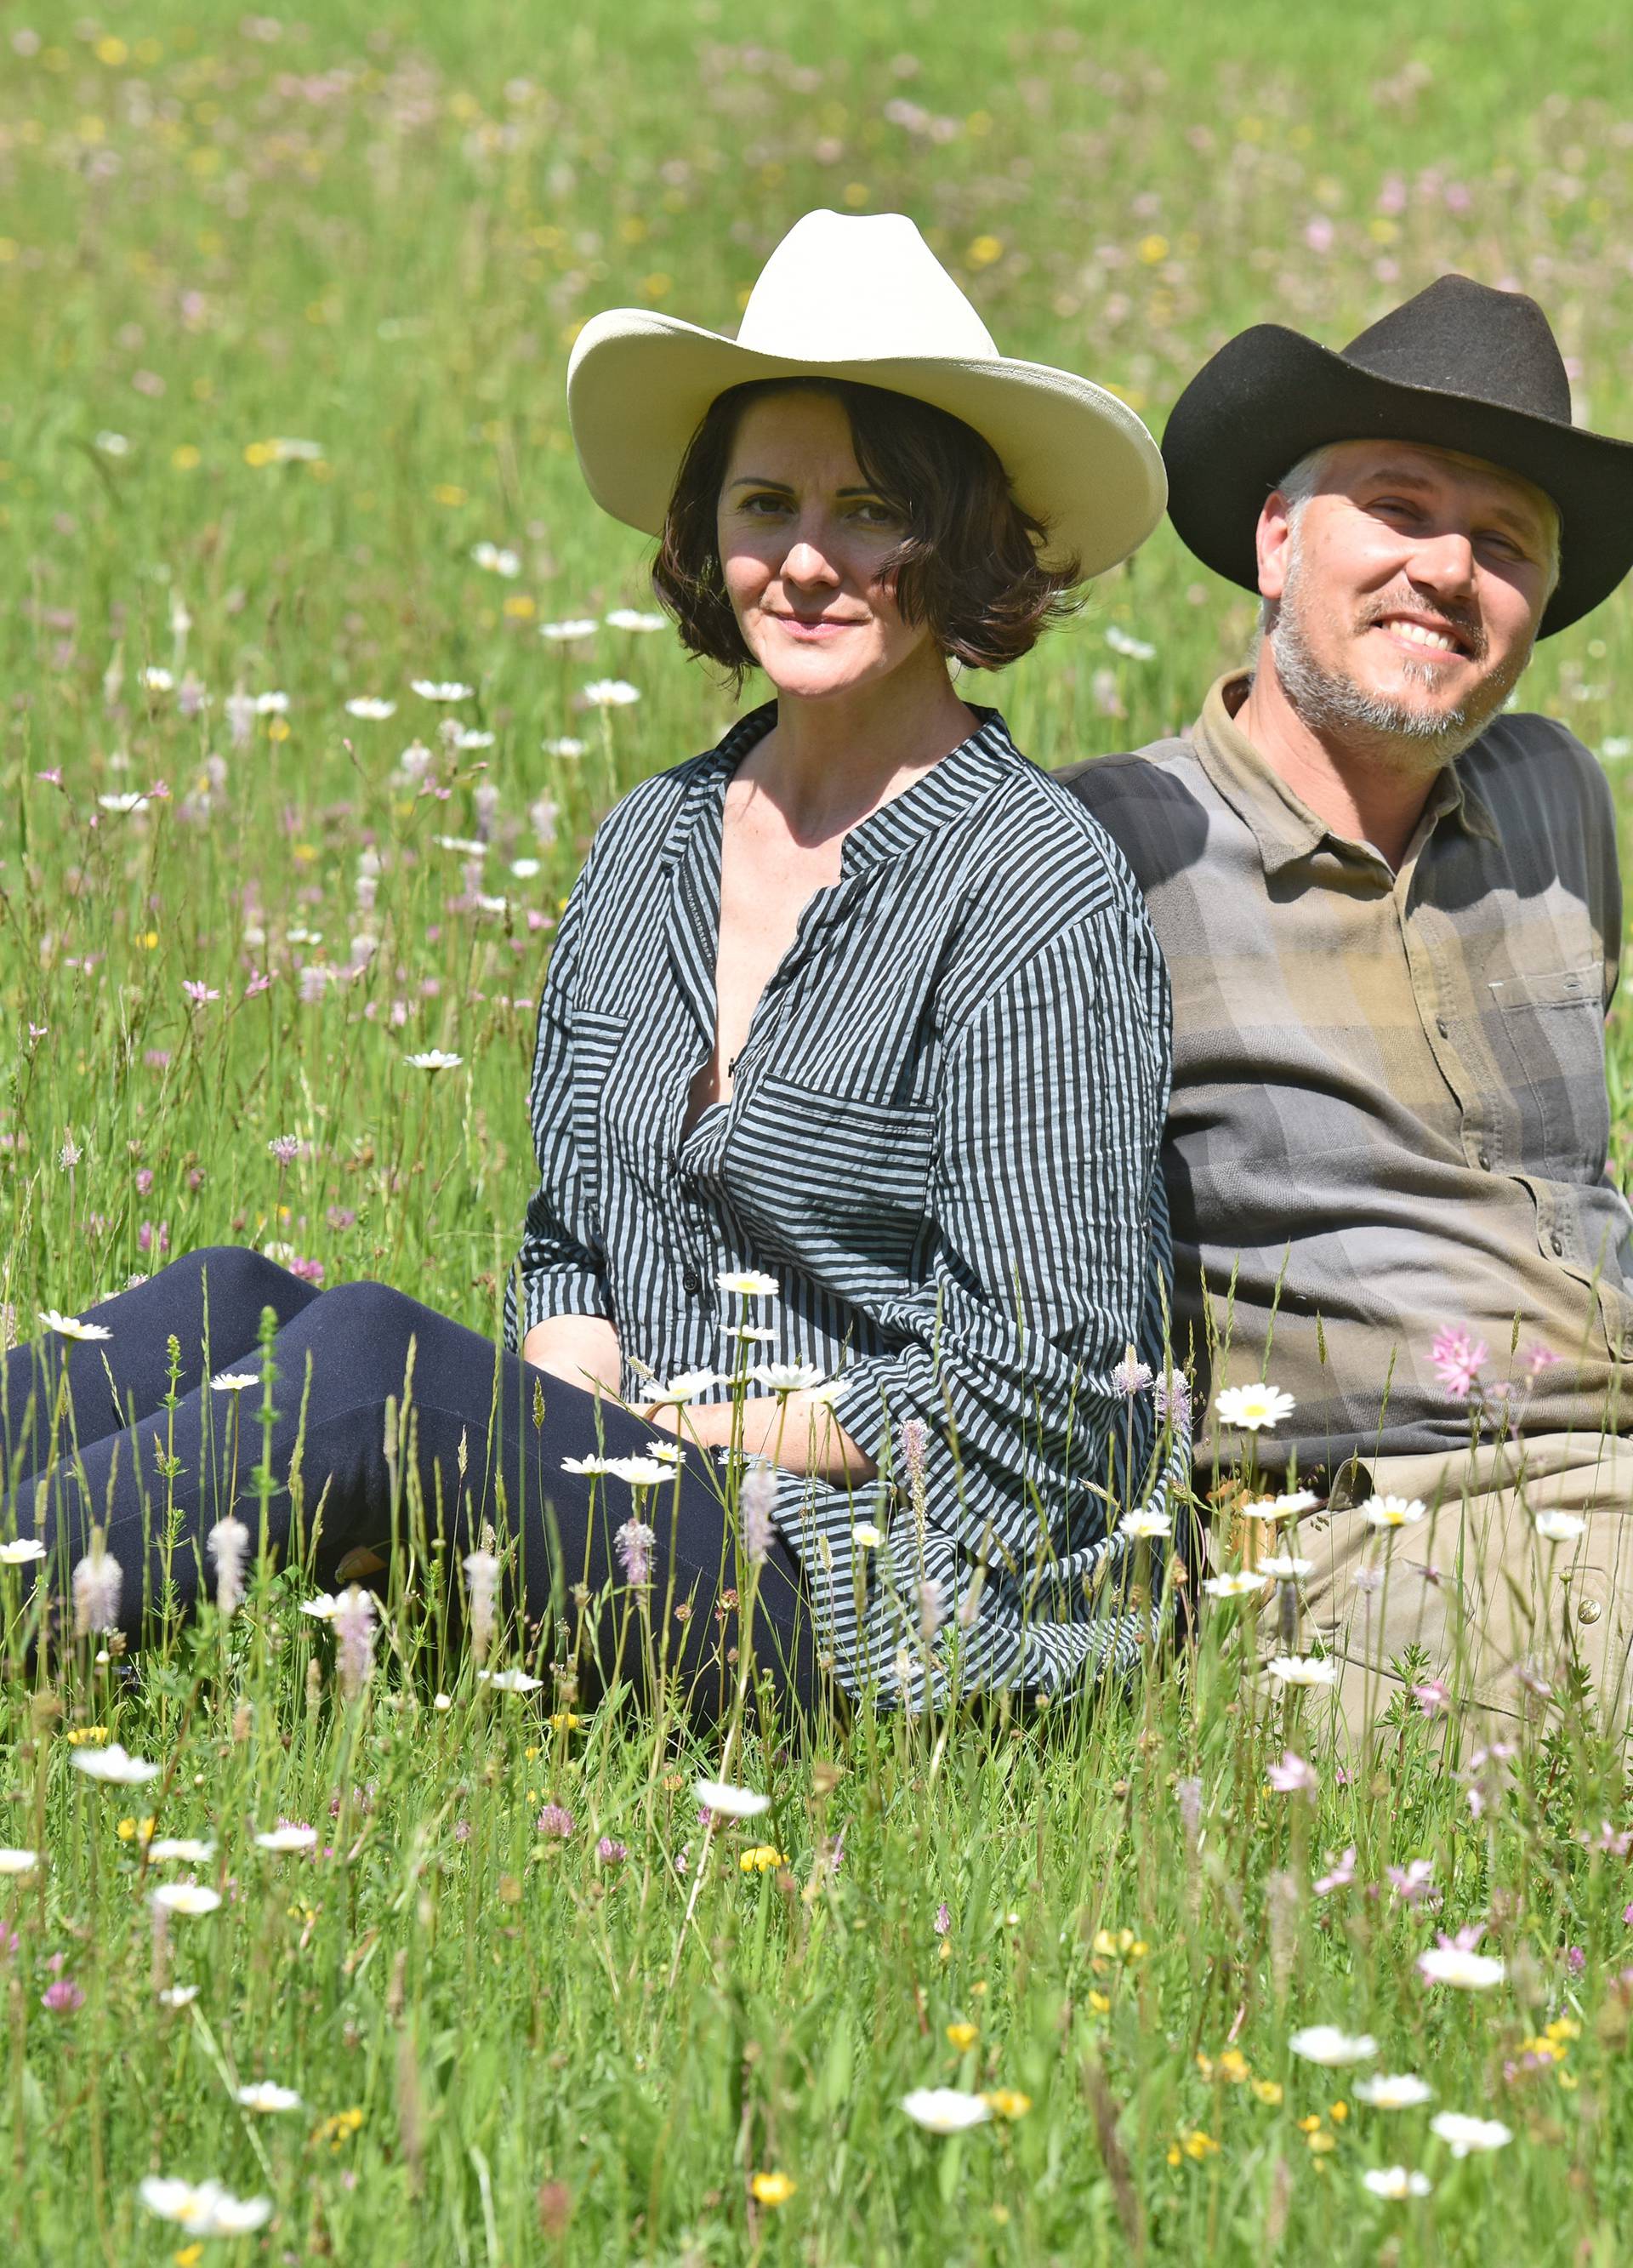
<point>1273,540</point>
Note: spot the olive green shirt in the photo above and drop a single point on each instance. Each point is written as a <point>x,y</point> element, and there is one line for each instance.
<point>1388,1112</point>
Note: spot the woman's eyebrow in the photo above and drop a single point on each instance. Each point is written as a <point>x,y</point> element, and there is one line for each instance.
<point>758,481</point>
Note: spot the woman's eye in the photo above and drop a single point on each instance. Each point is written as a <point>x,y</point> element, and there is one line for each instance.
<point>875,514</point>
<point>761,507</point>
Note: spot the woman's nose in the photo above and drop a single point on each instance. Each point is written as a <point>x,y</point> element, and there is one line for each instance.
<point>807,561</point>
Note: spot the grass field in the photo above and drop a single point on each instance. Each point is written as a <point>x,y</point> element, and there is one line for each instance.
<point>284,315</point>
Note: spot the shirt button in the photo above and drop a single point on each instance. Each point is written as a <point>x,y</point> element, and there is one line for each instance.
<point>691,1282</point>
<point>1485,1161</point>
<point>1558,1243</point>
<point>1442,1027</point>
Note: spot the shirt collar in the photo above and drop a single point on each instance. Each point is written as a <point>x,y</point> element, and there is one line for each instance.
<point>948,791</point>
<point>1285,828</point>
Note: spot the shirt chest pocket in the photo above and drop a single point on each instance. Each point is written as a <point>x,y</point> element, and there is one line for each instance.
<point>837,1183</point>
<point>598,1047</point>
<point>1550,1038</point>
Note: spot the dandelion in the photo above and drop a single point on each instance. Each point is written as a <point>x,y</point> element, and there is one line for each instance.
<point>97,1579</point>
<point>1394,1511</point>
<point>266,2095</point>
<point>203,2208</point>
<point>606,693</point>
<point>287,1835</point>
<point>1395,2182</point>
<point>481,1576</point>
<point>70,1327</point>
<point>945,2110</point>
<point>1458,1357</point>
<point>748,1283</point>
<point>431,688</point>
<point>633,1543</point>
<point>1326,2044</point>
<point>113,1765</point>
<point>1294,1775</point>
<point>1249,1408</point>
<point>184,1898</point>
<point>1459,1965</point>
<point>1301,1669</point>
<point>15,1862</point>
<point>555,1820</point>
<point>628,618</point>
<point>369,708</point>
<point>1148,1524</point>
<point>571,632</point>
<point>1463,2134</point>
<point>1399,2090</point>
<point>1555,1526</point>
<point>228,1545</point>
<point>21,1551</point>
<point>433,1060</point>
<point>354,1629</point>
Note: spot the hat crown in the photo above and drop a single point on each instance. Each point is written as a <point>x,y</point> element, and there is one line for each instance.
<point>850,287</point>
<point>1460,337</point>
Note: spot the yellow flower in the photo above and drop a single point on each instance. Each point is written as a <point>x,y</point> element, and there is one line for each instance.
<point>1119,1945</point>
<point>83,1735</point>
<point>518,607</point>
<point>773,2188</point>
<point>760,1859</point>
<point>1100,2002</point>
<point>1008,2102</point>
<point>278,729</point>
<point>962,2036</point>
<point>1267,2090</point>
<point>339,2129</point>
<point>1563,2028</point>
<point>447,492</point>
<point>136,1829</point>
<point>1151,249</point>
<point>1308,2125</point>
<point>259,452</point>
<point>1321,2143</point>
<point>1338,2112</point>
<point>564,1721</point>
<point>186,458</point>
<point>984,250</point>
<point>1198,2145</point>
<point>189,2256</point>
<point>1234,2067</point>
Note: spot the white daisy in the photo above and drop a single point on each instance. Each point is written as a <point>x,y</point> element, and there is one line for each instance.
<point>156,681</point>
<point>323,1609</point>
<point>1301,1669</point>
<point>572,632</point>
<point>1132,648</point>
<point>945,2110</point>
<point>787,1377</point>
<point>1248,1408</point>
<point>609,693</point>
<point>184,1898</point>
<point>1396,2181</point>
<point>128,800</point>
<point>1555,1526</point>
<point>203,2208</point>
<point>1455,1964</point>
<point>233,1381</point>
<point>434,1059</point>
<point>178,1996</point>
<point>21,1551</point>
<point>1288,1505</point>
<point>1394,1511</point>
<point>266,2094</point>
<point>1325,2043</point>
<point>1235,1583</point>
<point>563,746</point>
<point>1284,1567</point>
<point>509,1681</point>
<point>1398,2090</point>
<point>628,618</point>
<point>865,1536</point>
<point>1148,1523</point>
<point>70,1326</point>
<point>14,1861</point>
<point>113,1765</point>
<point>370,708</point>
<point>748,1283</point>
<point>292,1837</point>
<point>431,688</point>
<point>1463,2134</point>
<point>729,1802</point>
<point>181,1849</point>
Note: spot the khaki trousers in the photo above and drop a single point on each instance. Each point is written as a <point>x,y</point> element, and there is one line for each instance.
<point>1504,1617</point>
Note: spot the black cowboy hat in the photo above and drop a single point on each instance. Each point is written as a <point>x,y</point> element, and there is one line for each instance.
<point>1461,367</point>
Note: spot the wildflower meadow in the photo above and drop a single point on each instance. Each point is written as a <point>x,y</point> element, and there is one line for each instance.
<point>321,1939</point>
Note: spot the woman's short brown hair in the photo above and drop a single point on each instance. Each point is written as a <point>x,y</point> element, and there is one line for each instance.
<point>969,565</point>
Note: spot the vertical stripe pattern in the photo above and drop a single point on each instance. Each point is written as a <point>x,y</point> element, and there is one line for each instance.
<point>942,1142</point>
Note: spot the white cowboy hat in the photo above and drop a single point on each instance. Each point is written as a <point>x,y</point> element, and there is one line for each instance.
<point>863,296</point>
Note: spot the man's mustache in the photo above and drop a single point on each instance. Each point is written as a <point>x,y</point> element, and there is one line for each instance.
<point>1463,622</point>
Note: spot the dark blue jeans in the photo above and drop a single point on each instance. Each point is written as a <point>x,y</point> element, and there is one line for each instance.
<point>342,1355</point>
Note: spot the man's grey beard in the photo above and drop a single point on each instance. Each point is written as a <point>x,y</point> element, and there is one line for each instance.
<point>1329,703</point>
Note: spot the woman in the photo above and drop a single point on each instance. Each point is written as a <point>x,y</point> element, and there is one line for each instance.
<point>853,1038</point>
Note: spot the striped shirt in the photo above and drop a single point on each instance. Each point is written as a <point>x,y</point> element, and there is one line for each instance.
<point>942,1141</point>
<point>1389,1109</point>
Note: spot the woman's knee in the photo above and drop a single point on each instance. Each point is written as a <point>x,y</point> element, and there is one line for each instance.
<point>238,1283</point>
<point>368,1330</point>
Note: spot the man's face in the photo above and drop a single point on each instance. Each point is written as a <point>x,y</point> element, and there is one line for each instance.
<point>1407,593</point>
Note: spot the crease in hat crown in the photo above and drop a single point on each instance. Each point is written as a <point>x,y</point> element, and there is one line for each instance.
<point>848,287</point>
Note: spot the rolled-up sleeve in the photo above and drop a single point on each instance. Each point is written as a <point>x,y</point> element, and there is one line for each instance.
<point>1047,1216</point>
<point>561,1268</point>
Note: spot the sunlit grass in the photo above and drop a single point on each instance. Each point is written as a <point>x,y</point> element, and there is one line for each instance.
<point>374,238</point>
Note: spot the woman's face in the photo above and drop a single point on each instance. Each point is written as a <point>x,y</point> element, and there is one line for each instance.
<point>802,539</point>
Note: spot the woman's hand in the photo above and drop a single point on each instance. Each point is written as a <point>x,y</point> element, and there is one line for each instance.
<point>799,1432</point>
<point>583,1350</point>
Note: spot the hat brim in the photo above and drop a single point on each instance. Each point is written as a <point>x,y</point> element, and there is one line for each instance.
<point>1078,458</point>
<point>1271,395</point>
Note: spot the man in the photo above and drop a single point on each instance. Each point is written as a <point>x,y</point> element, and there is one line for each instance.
<point>1392,914</point>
